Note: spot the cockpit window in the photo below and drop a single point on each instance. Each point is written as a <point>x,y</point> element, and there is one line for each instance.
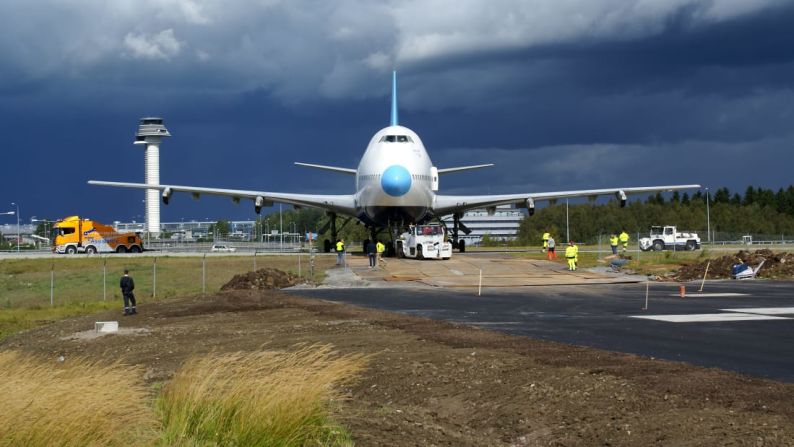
<point>396,139</point>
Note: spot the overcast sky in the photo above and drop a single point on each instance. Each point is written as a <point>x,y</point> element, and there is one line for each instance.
<point>559,94</point>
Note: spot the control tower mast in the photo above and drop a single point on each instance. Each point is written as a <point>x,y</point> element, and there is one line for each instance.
<point>151,132</point>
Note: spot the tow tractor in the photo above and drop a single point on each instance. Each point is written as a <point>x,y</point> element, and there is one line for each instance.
<point>668,238</point>
<point>424,242</point>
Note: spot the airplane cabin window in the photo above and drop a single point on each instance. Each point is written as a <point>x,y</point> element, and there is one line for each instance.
<point>396,139</point>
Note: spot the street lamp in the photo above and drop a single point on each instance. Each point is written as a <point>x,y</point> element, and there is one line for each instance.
<point>14,204</point>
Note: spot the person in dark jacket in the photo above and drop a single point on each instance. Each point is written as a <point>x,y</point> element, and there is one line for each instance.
<point>127,286</point>
<point>372,252</point>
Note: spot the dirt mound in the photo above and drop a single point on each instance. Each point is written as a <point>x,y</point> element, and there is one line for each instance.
<point>262,279</point>
<point>777,265</point>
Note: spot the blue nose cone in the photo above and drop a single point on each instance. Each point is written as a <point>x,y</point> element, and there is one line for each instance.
<point>396,181</point>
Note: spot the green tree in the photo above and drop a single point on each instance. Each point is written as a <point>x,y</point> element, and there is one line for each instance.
<point>749,196</point>
<point>723,195</point>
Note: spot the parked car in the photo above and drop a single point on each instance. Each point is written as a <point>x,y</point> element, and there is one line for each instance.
<point>223,248</point>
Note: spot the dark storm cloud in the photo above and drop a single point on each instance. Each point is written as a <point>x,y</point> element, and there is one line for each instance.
<point>560,94</point>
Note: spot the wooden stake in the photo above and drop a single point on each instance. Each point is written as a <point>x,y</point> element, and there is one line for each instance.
<point>704,276</point>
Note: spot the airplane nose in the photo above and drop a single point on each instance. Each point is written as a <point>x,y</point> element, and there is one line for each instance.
<point>396,181</point>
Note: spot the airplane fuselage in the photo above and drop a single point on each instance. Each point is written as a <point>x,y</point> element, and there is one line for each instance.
<point>394,180</point>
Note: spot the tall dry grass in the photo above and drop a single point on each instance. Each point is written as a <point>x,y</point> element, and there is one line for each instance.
<point>265,398</point>
<point>74,403</point>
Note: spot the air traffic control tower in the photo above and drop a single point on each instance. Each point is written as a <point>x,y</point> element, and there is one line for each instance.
<point>151,132</point>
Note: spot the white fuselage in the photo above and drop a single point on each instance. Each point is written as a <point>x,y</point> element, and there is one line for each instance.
<point>395,179</point>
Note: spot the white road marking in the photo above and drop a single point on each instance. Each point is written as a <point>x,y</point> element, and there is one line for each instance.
<point>696,294</point>
<point>764,310</point>
<point>703,318</point>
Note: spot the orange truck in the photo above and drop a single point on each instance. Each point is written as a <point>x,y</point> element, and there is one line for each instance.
<point>76,235</point>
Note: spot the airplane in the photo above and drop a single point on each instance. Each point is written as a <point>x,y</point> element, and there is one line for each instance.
<point>396,186</point>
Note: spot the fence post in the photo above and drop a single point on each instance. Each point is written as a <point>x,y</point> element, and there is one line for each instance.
<point>52,284</point>
<point>299,264</point>
<point>638,245</point>
<point>254,259</point>
<point>154,278</point>
<point>104,278</point>
<point>311,263</point>
<point>204,274</point>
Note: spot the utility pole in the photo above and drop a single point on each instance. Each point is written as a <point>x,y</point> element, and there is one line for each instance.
<point>708,217</point>
<point>280,228</point>
<point>14,204</point>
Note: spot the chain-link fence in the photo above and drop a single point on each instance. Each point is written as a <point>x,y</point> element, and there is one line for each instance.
<point>63,279</point>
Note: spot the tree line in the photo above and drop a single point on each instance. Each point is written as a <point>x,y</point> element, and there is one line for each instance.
<point>757,211</point>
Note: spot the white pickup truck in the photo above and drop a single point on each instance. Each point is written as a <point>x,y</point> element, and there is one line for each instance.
<point>424,242</point>
<point>668,238</point>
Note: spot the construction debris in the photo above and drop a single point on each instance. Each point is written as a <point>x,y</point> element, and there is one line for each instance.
<point>776,265</point>
<point>262,279</point>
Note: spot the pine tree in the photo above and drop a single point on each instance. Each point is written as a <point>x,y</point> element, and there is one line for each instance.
<point>749,196</point>
<point>723,195</point>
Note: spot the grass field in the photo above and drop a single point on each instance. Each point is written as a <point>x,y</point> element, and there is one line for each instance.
<point>79,287</point>
<point>272,398</point>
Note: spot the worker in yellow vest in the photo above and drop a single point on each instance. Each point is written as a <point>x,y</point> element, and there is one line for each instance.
<point>571,253</point>
<point>613,243</point>
<point>545,241</point>
<point>380,249</point>
<point>624,239</point>
<point>340,251</point>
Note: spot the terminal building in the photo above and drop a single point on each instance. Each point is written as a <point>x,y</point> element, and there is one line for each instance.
<point>193,229</point>
<point>502,226</point>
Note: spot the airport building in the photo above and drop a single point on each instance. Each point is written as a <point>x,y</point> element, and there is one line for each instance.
<point>502,226</point>
<point>193,229</point>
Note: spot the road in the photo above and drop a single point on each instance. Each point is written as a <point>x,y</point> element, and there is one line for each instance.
<point>708,329</point>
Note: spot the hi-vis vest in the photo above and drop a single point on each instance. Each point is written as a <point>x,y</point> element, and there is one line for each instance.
<point>340,246</point>
<point>570,251</point>
<point>380,247</point>
<point>613,240</point>
<point>546,239</point>
<point>624,237</point>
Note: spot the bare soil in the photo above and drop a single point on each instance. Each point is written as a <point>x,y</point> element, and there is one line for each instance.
<point>776,265</point>
<point>435,383</point>
<point>262,279</point>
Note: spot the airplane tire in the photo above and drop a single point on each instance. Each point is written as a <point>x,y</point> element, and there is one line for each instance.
<point>400,252</point>
<point>462,246</point>
<point>419,254</point>
<point>327,246</point>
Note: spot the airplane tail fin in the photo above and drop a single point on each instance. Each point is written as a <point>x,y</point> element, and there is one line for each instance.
<point>394,98</point>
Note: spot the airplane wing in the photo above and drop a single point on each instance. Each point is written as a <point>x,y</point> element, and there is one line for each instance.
<point>445,205</point>
<point>342,204</point>
<point>348,171</point>
<point>462,168</point>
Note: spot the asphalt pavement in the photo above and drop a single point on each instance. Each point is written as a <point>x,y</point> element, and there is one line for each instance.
<point>745,326</point>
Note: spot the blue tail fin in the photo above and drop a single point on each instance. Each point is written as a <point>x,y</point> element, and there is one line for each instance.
<point>394,98</point>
